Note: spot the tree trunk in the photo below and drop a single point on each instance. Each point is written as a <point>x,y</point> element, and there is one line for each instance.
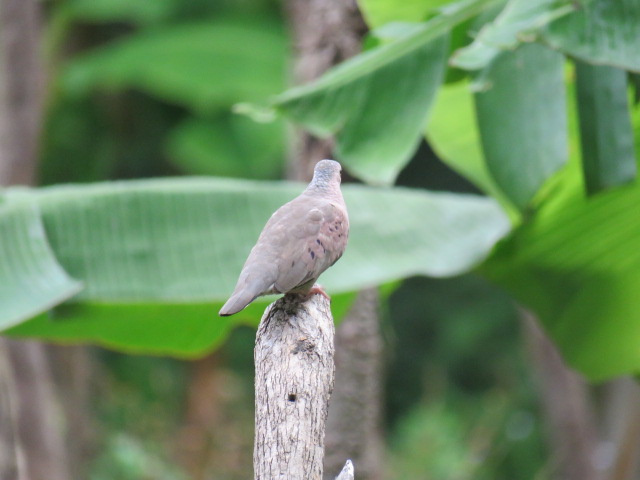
<point>202,414</point>
<point>76,378</point>
<point>565,402</point>
<point>621,429</point>
<point>326,32</point>
<point>10,454</point>
<point>38,417</point>
<point>294,379</point>
<point>33,447</point>
<point>353,427</point>
<point>21,90</point>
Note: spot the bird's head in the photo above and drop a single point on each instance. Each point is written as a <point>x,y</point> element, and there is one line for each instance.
<point>326,174</point>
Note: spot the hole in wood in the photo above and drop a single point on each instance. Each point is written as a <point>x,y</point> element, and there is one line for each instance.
<point>292,397</point>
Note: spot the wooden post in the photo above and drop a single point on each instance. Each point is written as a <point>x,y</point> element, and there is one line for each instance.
<point>294,379</point>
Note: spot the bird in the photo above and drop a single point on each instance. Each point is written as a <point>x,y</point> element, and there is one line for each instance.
<point>301,240</point>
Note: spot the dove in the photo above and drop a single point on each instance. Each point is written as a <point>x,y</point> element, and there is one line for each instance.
<point>301,240</point>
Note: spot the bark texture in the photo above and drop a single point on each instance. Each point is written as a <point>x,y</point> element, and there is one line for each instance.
<point>202,416</point>
<point>21,90</point>
<point>31,422</point>
<point>39,419</point>
<point>10,454</point>
<point>75,376</point>
<point>353,427</point>
<point>565,401</point>
<point>293,383</point>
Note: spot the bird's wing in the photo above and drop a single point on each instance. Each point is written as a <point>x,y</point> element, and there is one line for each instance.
<point>298,259</point>
<point>314,245</point>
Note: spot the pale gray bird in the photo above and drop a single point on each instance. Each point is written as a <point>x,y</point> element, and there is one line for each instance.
<point>300,241</point>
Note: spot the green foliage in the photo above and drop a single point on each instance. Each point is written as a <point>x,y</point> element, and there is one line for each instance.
<point>381,12</point>
<point>126,458</point>
<point>204,66</point>
<point>75,130</point>
<point>120,10</point>
<point>522,120</point>
<point>228,145</point>
<point>481,439</point>
<point>454,334</point>
<point>382,95</point>
<point>602,32</point>
<point>453,133</point>
<point>570,258</point>
<point>518,19</point>
<point>144,252</point>
<point>32,279</point>
<point>606,134</point>
<point>577,264</point>
<point>461,402</point>
<point>432,442</point>
<point>158,258</point>
<point>326,114</point>
<point>137,408</point>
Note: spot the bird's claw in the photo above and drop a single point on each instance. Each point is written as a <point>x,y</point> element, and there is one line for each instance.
<point>317,289</point>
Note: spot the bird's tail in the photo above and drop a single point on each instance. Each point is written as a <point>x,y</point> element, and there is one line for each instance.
<point>240,298</point>
<point>236,303</point>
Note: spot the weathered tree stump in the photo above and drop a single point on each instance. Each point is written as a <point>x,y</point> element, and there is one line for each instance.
<point>294,379</point>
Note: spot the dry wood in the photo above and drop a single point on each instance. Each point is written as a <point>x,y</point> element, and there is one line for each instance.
<point>294,379</point>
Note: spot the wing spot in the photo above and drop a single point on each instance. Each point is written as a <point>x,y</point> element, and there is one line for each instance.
<point>313,254</point>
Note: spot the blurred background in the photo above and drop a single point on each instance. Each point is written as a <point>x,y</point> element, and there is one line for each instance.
<point>463,385</point>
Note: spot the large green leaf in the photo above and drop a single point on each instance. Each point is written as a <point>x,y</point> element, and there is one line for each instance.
<point>635,121</point>
<point>608,153</point>
<point>518,21</point>
<point>577,265</point>
<point>380,12</point>
<point>158,258</point>
<point>453,133</point>
<point>602,32</point>
<point>377,117</point>
<point>205,66</point>
<point>229,145</point>
<point>523,121</point>
<point>31,280</point>
<point>377,103</point>
<point>119,10</point>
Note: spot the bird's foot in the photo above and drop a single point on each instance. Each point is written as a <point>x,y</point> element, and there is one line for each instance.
<point>317,289</point>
